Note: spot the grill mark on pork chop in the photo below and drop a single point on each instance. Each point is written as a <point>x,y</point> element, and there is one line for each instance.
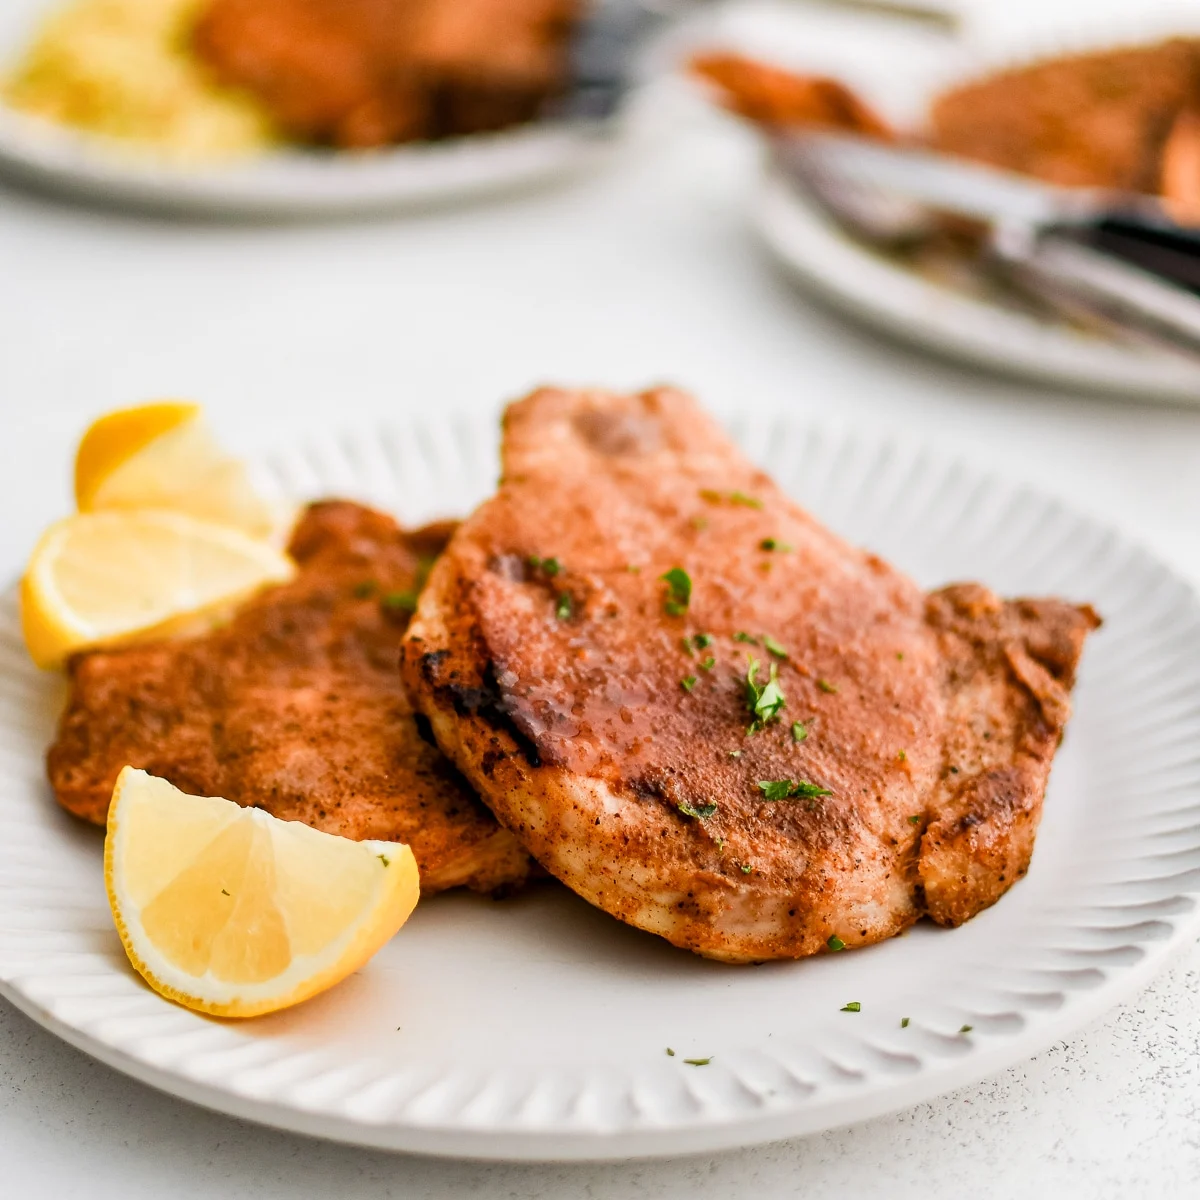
<point>625,764</point>
<point>295,707</point>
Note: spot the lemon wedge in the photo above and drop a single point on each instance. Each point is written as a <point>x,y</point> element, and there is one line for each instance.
<point>163,455</point>
<point>231,912</point>
<point>104,577</point>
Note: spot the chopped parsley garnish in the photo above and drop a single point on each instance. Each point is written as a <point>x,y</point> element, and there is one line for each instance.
<point>383,858</point>
<point>715,497</point>
<point>915,819</point>
<point>670,1052</point>
<point>534,562</point>
<point>826,686</point>
<point>686,643</point>
<point>720,845</point>
<point>742,498</point>
<point>966,1029</point>
<point>799,731</point>
<point>698,1062</point>
<point>633,568</point>
<point>700,811</point>
<point>564,607</point>
<point>785,789</point>
<point>774,544</point>
<point>679,591</point>
<point>853,1006</point>
<point>903,1022</point>
<point>745,868</point>
<point>836,943</point>
<point>745,637</point>
<point>551,567</point>
<point>702,640</point>
<point>688,682</point>
<point>773,646</point>
<point>699,522</point>
<point>763,700</point>
<point>903,756</point>
<point>224,892</point>
<point>368,587</point>
<point>708,663</point>
<point>399,602</point>
<point>899,655</point>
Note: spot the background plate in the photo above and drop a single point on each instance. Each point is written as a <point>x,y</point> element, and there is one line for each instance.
<point>297,183</point>
<point>891,296</point>
<point>537,1027</point>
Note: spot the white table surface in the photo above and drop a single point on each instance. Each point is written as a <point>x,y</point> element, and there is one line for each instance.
<point>646,274</point>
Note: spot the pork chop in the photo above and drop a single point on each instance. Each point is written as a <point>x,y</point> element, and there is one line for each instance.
<point>709,715</point>
<point>295,707</point>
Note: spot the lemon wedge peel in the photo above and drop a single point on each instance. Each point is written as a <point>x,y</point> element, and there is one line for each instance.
<point>103,578</point>
<point>231,912</point>
<point>163,455</point>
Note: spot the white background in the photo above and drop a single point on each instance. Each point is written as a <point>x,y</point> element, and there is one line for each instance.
<point>648,273</point>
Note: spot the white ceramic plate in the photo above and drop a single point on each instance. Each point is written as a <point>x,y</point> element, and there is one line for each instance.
<point>537,1028</point>
<point>887,294</point>
<point>298,183</point>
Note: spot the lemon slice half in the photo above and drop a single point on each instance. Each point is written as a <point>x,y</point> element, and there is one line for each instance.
<point>231,912</point>
<point>163,455</point>
<point>103,577</point>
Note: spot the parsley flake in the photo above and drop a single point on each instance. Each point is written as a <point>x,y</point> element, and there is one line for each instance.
<point>699,522</point>
<point>686,643</point>
<point>826,686</point>
<point>915,819</point>
<point>399,602</point>
<point>745,637</point>
<point>745,868</point>
<point>383,858</point>
<point>899,655</point>
<point>836,943</point>
<point>698,1062</point>
<point>853,1006</point>
<point>785,789</point>
<point>224,892</point>
<point>903,756</point>
<point>633,568</point>
<point>368,587</point>
<point>702,640</point>
<point>670,1052</point>
<point>903,1022</point>
<point>701,812</point>
<point>710,494</point>
<point>774,544</point>
<point>743,499</point>
<point>799,731</point>
<point>966,1029</point>
<point>564,607</point>
<point>679,591</point>
<point>708,663</point>
<point>773,646</point>
<point>688,682</point>
<point>763,700</point>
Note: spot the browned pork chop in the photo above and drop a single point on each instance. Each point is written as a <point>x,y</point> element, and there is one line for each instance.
<point>626,728</point>
<point>295,707</point>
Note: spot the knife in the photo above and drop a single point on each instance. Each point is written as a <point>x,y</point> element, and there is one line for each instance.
<point>1117,255</point>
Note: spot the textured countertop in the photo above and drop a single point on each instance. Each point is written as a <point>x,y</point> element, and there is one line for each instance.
<point>284,328</point>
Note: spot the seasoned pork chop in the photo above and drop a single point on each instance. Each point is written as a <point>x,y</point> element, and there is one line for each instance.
<point>713,718</point>
<point>295,707</point>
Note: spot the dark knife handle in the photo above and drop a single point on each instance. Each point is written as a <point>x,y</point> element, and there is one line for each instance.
<point>1170,252</point>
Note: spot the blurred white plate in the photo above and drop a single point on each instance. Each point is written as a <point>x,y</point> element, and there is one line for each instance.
<point>294,182</point>
<point>886,293</point>
<point>537,1028</point>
